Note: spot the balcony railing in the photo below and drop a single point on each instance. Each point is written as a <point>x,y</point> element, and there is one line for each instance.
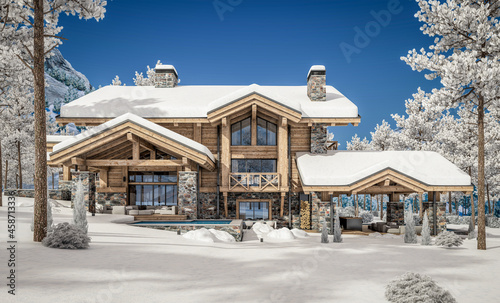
<point>254,181</point>
<point>332,145</point>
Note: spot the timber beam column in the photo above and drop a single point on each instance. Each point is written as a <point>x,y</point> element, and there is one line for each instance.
<point>282,206</point>
<point>226,212</point>
<point>225,156</point>
<point>283,152</point>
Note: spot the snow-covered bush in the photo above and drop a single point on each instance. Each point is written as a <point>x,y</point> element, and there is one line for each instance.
<point>416,288</point>
<point>410,233</point>
<point>348,211</point>
<point>426,231</point>
<point>448,239</point>
<point>299,233</point>
<point>492,221</point>
<point>66,236</point>
<point>209,235</point>
<point>283,234</point>
<point>261,229</point>
<point>417,220</point>
<point>337,231</point>
<point>366,216</point>
<point>79,211</point>
<point>324,233</point>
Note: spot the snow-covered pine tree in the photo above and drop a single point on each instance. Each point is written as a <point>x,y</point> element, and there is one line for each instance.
<point>426,231</point>
<point>337,231</point>
<point>79,211</point>
<point>412,287</point>
<point>410,233</point>
<point>324,233</point>
<point>448,239</point>
<point>465,57</point>
<point>29,30</point>
<point>116,81</point>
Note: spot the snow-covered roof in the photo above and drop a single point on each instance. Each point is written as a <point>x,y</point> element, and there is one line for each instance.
<point>138,121</point>
<point>343,168</point>
<point>57,139</point>
<point>196,101</point>
<point>316,68</point>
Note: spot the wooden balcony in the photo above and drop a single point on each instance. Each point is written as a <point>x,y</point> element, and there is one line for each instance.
<point>260,182</point>
<point>332,145</point>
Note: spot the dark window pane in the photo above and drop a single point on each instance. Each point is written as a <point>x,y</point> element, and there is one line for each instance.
<point>271,134</point>
<point>236,134</point>
<point>162,196</point>
<point>131,178</point>
<point>147,195</point>
<point>234,166</point>
<point>246,132</point>
<point>138,178</point>
<point>269,166</point>
<point>261,132</point>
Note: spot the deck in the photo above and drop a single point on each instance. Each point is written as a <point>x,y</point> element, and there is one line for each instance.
<point>157,217</point>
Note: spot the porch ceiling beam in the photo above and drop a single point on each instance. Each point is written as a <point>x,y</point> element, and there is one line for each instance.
<point>106,163</point>
<point>142,142</point>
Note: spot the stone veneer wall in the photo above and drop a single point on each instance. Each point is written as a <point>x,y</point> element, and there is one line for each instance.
<point>112,199</point>
<point>320,212</point>
<point>56,194</point>
<point>88,181</point>
<point>187,199</point>
<point>396,212</point>
<point>441,212</point>
<point>208,205</point>
<point>316,87</point>
<point>165,80</point>
<point>319,136</point>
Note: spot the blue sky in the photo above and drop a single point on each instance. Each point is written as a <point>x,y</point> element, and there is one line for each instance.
<point>260,41</point>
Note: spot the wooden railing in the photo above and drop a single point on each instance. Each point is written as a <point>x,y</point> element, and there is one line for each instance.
<point>332,145</point>
<point>259,181</point>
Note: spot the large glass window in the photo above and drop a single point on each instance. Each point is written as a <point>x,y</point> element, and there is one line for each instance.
<point>266,132</point>
<point>253,165</point>
<point>241,132</point>
<point>153,188</point>
<point>254,210</point>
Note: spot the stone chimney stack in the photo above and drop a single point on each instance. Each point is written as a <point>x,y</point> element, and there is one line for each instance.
<point>316,83</point>
<point>165,76</point>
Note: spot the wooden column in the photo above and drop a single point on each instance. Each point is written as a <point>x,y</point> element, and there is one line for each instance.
<point>226,212</point>
<point>136,150</point>
<point>356,210</point>
<point>254,125</point>
<point>225,154</point>
<point>283,152</point>
<point>450,209</point>
<point>339,201</point>
<point>197,132</point>
<point>152,154</point>
<point>282,207</point>
<point>420,204</point>
<point>103,178</point>
<point>381,207</point>
<point>66,173</point>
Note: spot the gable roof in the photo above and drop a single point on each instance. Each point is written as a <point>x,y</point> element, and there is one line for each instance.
<point>198,101</point>
<point>345,168</point>
<point>143,123</point>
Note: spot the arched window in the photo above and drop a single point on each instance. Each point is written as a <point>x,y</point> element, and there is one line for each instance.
<point>266,132</point>
<point>241,133</point>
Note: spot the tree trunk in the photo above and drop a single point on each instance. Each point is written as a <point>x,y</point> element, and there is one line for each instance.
<point>6,173</point>
<point>472,205</point>
<point>19,166</point>
<point>40,206</point>
<point>490,210</point>
<point>381,207</point>
<point>1,174</point>
<point>481,226</point>
<point>450,208</point>
<point>17,181</point>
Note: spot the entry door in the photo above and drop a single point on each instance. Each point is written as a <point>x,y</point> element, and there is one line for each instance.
<point>254,210</point>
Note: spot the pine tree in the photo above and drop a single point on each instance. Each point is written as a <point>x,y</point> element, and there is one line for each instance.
<point>337,232</point>
<point>324,233</point>
<point>79,211</point>
<point>410,233</point>
<point>426,231</point>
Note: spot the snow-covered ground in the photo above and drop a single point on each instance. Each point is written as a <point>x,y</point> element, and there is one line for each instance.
<point>134,264</point>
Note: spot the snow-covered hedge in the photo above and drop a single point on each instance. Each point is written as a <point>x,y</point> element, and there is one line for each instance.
<point>66,236</point>
<point>346,211</point>
<point>491,221</point>
<point>367,216</point>
<point>448,239</point>
<point>416,288</point>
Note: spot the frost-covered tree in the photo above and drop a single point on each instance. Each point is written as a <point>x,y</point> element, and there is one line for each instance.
<point>79,211</point>
<point>116,81</point>
<point>337,231</point>
<point>140,80</point>
<point>324,233</point>
<point>29,31</point>
<point>415,288</point>
<point>465,57</point>
<point>426,231</point>
<point>410,233</point>
<point>357,144</point>
<point>448,239</point>
<point>471,233</point>
<point>381,139</point>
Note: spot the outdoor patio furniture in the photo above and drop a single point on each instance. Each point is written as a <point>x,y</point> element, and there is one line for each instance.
<point>168,210</point>
<point>146,212</point>
<point>349,223</point>
<point>133,212</point>
<point>118,210</point>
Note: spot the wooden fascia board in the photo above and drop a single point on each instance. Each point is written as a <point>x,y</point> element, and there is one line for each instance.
<point>333,121</point>
<point>98,121</point>
<point>145,163</point>
<point>249,100</point>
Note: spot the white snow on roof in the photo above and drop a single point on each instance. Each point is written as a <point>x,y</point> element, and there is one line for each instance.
<point>141,122</point>
<point>164,67</point>
<point>197,101</point>
<point>343,168</point>
<point>57,139</point>
<point>315,68</point>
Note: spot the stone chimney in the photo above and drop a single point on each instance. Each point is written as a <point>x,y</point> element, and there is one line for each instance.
<point>316,83</point>
<point>166,76</point>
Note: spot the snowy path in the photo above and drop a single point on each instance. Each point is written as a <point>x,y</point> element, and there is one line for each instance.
<point>134,264</point>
